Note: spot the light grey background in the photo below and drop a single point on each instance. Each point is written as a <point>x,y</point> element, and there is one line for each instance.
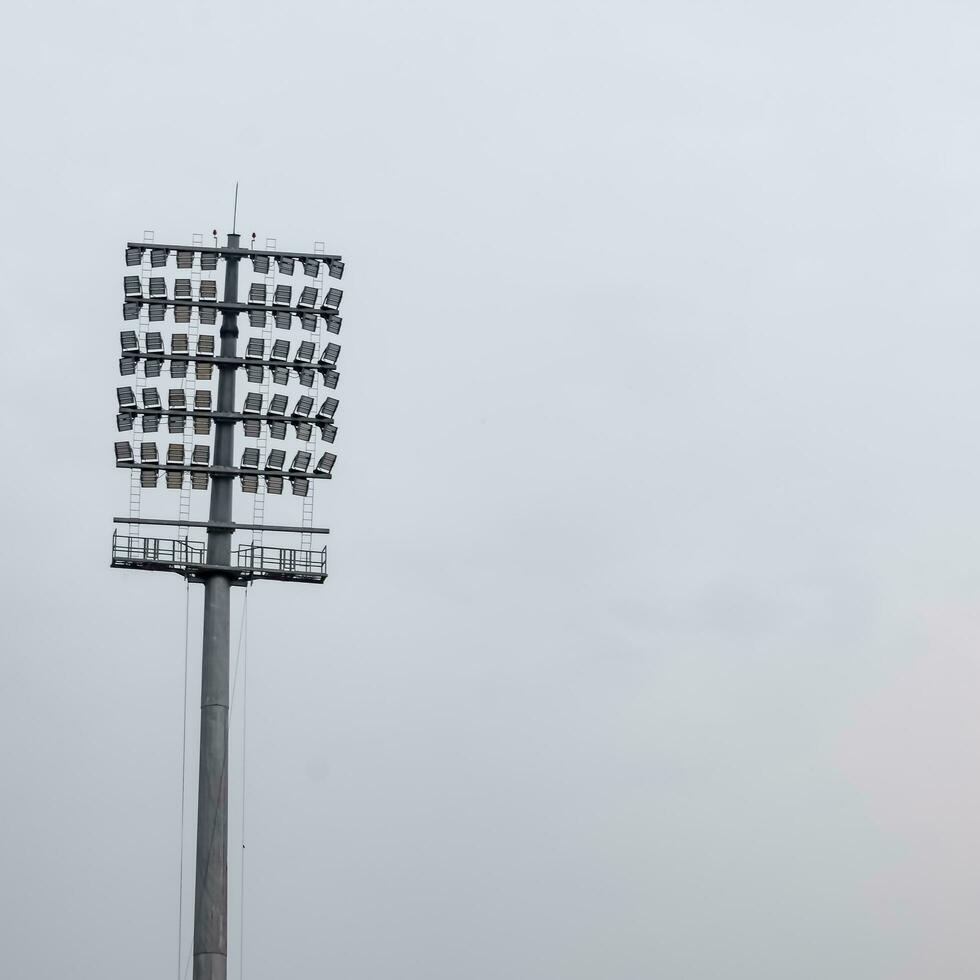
<point>650,647</point>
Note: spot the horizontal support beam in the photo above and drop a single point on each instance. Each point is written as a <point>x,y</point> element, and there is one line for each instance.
<point>191,413</point>
<point>221,470</point>
<point>224,307</point>
<point>222,526</point>
<point>235,252</point>
<point>324,366</point>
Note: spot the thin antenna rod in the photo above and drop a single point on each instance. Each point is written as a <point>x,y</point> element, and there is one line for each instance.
<point>234,218</point>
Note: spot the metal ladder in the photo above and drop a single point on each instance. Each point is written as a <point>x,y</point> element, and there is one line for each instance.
<point>262,441</point>
<point>190,386</point>
<point>139,382</point>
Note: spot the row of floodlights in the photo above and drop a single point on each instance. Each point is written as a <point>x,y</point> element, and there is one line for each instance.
<point>154,354</point>
<point>282,311</point>
<point>209,261</point>
<point>151,466</point>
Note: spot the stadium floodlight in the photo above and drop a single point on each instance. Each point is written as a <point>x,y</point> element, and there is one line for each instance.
<point>202,403</point>
<point>328,409</point>
<point>330,378</point>
<point>330,355</point>
<point>328,432</point>
<point>325,464</point>
<point>303,406</point>
<point>185,466</point>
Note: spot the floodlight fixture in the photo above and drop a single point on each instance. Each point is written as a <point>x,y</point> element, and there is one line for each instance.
<point>158,257</point>
<point>283,320</point>
<point>134,255</point>
<point>303,430</point>
<point>151,399</point>
<point>328,409</point>
<point>185,258</point>
<point>148,452</point>
<point>277,429</point>
<point>149,478</point>
<point>260,264</point>
<point>303,406</point>
<point>282,296</point>
<point>336,268</point>
<point>205,345</point>
<point>256,319</point>
<point>332,300</point>
<point>333,323</point>
<point>175,454</point>
<point>151,423</point>
<point>201,455</point>
<point>177,399</point>
<point>176,424</point>
<point>182,314</point>
<point>158,287</point>
<point>330,354</point>
<point>154,342</point>
<point>131,311</point>
<point>307,296</point>
<point>306,376</point>
<point>330,378</point>
<point>208,315</point>
<point>182,289</point>
<point>311,267</point>
<point>280,351</point>
<point>124,453</point>
<point>250,458</point>
<point>278,405</point>
<point>273,484</point>
<point>209,290</point>
<point>209,261</point>
<point>301,462</point>
<point>328,432</point>
<point>305,351</point>
<point>124,421</point>
<point>276,459</point>
<point>132,287</point>
<point>178,343</point>
<point>257,293</point>
<point>325,464</point>
<point>300,485</point>
<point>285,263</point>
<point>308,321</point>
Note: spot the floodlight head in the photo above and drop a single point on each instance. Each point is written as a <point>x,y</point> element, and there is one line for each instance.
<point>257,293</point>
<point>131,311</point>
<point>176,424</point>
<point>307,296</point>
<point>253,403</point>
<point>132,288</point>
<point>301,486</point>
<point>208,315</point>
<point>303,406</point>
<point>250,458</point>
<point>337,269</point>
<point>260,264</point>
<point>175,454</point>
<point>178,343</point>
<point>209,290</point>
<point>306,376</point>
<point>158,257</point>
<point>330,378</point>
<point>282,295</point>
<point>205,345</point>
<point>308,321</point>
<point>333,323</point>
<point>126,397</point>
<point>328,409</point>
<point>124,453</point>
<point>276,459</point>
<point>285,263</point>
<point>304,430</point>
<point>283,320</point>
<point>177,399</point>
<point>273,484</point>
<point>124,422</point>
<point>148,452</point>
<point>305,351</point>
<point>127,366</point>
<point>255,348</point>
<point>185,259</point>
<point>301,462</point>
<point>280,351</point>
<point>328,432</point>
<point>311,267</point>
<point>158,287</point>
<point>278,405</point>
<point>325,465</point>
<point>330,354</point>
<point>134,255</point>
<point>277,430</point>
<point>182,289</point>
<point>332,300</point>
<point>201,455</point>
<point>128,342</point>
<point>209,261</point>
<point>151,423</point>
<point>154,342</point>
<point>151,398</point>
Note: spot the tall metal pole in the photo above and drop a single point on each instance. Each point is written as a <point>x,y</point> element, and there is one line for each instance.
<point>211,888</point>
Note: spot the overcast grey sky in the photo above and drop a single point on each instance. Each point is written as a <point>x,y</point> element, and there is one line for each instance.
<point>650,646</point>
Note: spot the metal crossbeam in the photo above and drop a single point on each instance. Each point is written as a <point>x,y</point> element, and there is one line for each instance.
<point>222,525</point>
<point>223,471</point>
<point>239,253</point>
<point>233,307</point>
<point>234,361</point>
<point>190,413</point>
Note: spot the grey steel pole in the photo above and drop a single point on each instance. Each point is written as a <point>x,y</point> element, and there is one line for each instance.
<point>211,887</point>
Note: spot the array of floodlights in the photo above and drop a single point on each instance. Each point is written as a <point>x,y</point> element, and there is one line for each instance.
<point>177,467</point>
<point>259,305</point>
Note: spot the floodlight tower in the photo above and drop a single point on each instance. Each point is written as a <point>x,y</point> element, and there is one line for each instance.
<point>215,565</point>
